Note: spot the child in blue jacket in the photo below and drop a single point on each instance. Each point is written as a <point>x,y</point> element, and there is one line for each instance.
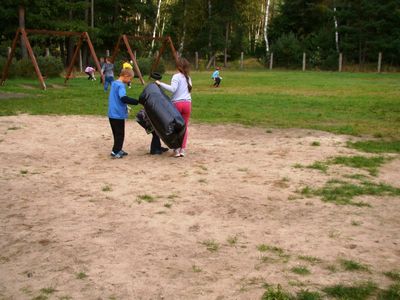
<point>118,111</point>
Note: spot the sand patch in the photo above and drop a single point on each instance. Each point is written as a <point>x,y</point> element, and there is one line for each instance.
<point>142,227</point>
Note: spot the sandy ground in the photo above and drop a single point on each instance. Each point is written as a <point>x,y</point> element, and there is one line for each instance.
<point>72,219</point>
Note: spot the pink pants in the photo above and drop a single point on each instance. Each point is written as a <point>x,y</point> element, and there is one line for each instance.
<point>185,108</point>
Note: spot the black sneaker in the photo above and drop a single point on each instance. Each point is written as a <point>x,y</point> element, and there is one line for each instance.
<point>117,155</point>
<point>124,153</point>
<point>156,152</point>
<point>163,149</point>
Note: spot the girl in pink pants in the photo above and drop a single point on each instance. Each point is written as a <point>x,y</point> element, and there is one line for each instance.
<point>181,87</point>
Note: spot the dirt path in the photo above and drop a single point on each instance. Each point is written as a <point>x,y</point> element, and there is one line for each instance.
<point>90,227</point>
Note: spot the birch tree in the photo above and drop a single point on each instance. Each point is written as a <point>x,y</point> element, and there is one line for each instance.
<point>336,27</point>
<point>267,4</point>
<point>155,27</point>
<point>182,44</point>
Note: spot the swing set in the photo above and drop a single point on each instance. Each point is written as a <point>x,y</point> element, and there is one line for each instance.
<point>83,36</point>
<point>166,41</point>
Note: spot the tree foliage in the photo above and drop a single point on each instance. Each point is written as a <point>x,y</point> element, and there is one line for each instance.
<point>365,27</point>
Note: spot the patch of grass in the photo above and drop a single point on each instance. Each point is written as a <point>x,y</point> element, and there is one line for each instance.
<point>356,176</point>
<point>318,165</point>
<point>371,164</point>
<point>341,192</point>
<point>356,223</point>
<point>311,259</point>
<point>211,245</point>
<point>394,274</point>
<point>23,172</point>
<point>331,268</point>
<point>355,105</point>
<point>40,297</point>
<point>13,128</point>
<point>268,131</point>
<point>277,293</point>
<point>81,275</point>
<point>376,146</point>
<point>168,205</point>
<point>172,196</point>
<point>26,290</point>
<point>202,180</point>
<point>196,269</point>
<point>275,250</point>
<point>47,291</point>
<point>298,166</point>
<point>359,291</point>
<point>351,265</point>
<point>65,298</point>
<point>106,188</point>
<point>300,270</point>
<point>315,144</point>
<point>232,240</point>
<point>146,198</point>
<point>307,295</point>
<point>392,293</point>
<point>243,169</point>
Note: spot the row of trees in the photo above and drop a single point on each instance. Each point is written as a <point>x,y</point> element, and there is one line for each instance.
<point>225,28</point>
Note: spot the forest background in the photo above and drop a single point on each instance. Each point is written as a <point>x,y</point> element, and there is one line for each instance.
<point>359,29</point>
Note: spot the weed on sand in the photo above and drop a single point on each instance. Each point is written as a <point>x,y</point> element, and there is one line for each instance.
<point>342,192</point>
<point>359,291</point>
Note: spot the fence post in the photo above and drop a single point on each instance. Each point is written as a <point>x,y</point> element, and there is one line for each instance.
<point>80,60</point>
<point>271,61</point>
<point>47,52</point>
<point>196,62</point>
<point>241,60</point>
<point>107,53</point>
<point>8,51</point>
<point>340,61</point>
<point>379,62</point>
<point>304,61</point>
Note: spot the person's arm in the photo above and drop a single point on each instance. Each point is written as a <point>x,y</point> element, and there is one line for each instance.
<point>128,100</point>
<point>124,98</point>
<point>171,88</point>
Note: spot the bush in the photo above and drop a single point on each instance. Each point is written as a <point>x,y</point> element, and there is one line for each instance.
<point>287,51</point>
<point>50,66</point>
<point>145,64</point>
<point>11,70</point>
<point>24,68</point>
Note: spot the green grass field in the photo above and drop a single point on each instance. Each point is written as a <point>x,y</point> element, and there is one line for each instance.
<point>365,104</point>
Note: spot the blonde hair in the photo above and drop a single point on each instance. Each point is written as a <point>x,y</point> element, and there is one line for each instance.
<point>127,72</point>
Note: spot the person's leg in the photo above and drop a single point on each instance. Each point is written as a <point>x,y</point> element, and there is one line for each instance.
<point>185,108</point>
<point>118,129</point>
<point>217,81</point>
<point>106,82</point>
<point>155,147</point>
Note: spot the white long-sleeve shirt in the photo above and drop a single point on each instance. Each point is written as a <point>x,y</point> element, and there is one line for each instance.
<point>178,88</point>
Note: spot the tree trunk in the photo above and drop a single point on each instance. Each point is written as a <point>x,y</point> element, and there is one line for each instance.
<point>182,44</point>
<point>155,27</point>
<point>21,15</point>
<point>226,45</point>
<point>267,3</point>
<point>210,29</point>
<point>92,14</point>
<point>69,42</point>
<point>336,28</point>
